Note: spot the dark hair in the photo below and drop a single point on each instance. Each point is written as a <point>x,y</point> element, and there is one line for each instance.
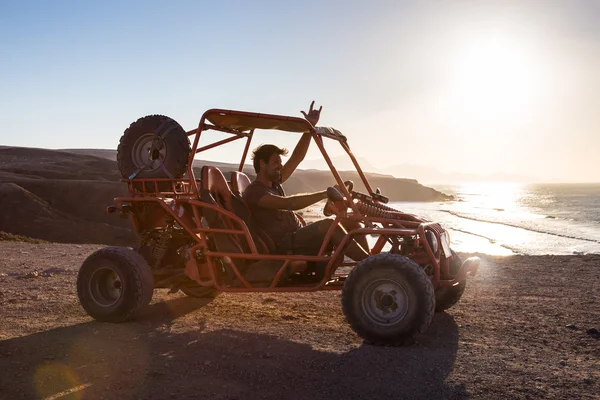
<point>264,153</point>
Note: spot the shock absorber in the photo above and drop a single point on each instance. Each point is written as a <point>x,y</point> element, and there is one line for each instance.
<point>386,207</point>
<point>161,244</point>
<point>373,210</point>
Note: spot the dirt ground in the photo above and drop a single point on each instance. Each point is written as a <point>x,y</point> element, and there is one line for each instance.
<point>525,328</point>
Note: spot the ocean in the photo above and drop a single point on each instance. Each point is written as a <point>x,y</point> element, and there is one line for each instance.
<point>505,218</point>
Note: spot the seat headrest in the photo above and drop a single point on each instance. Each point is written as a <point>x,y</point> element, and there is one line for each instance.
<point>215,183</point>
<point>239,181</point>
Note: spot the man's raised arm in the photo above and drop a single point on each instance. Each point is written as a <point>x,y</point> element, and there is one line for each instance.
<point>302,147</point>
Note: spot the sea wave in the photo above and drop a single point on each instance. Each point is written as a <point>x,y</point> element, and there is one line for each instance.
<point>513,249</point>
<point>459,215</point>
<point>491,240</point>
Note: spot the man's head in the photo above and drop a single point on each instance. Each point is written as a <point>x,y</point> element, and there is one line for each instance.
<point>267,161</point>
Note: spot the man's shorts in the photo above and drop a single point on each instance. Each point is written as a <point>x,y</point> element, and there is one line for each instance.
<point>306,241</point>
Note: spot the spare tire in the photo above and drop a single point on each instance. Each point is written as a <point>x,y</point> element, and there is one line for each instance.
<point>154,146</point>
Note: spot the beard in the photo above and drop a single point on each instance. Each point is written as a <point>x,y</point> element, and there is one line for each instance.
<point>275,175</point>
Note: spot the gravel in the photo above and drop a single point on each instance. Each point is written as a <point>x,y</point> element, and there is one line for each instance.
<point>509,337</point>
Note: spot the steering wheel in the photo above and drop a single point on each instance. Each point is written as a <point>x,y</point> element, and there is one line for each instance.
<point>335,196</point>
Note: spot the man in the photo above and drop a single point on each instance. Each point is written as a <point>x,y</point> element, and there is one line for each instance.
<point>273,211</point>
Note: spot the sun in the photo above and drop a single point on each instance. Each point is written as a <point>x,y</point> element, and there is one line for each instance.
<point>494,78</point>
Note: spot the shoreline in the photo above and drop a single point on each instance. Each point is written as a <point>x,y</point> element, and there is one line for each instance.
<point>314,213</point>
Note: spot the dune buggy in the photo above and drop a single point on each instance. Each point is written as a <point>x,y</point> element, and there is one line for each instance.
<point>197,236</point>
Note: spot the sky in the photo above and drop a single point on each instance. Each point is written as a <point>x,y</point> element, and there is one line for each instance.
<point>465,86</point>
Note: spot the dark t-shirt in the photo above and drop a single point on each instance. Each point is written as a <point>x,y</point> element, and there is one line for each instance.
<point>275,223</point>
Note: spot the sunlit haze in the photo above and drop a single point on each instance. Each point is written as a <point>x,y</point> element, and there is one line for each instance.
<point>435,90</point>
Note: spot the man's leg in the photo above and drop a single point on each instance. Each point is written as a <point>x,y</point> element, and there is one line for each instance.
<point>349,225</point>
<point>354,250</point>
<point>308,240</point>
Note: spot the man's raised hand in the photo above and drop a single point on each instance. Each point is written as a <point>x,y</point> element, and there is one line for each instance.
<point>313,115</point>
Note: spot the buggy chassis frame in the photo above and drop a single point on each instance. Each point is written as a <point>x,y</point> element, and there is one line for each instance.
<point>370,209</point>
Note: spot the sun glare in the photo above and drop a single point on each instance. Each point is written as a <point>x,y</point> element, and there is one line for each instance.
<point>494,78</point>
<point>494,196</point>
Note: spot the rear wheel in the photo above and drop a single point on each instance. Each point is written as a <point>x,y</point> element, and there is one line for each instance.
<point>200,292</point>
<point>446,297</point>
<point>388,299</point>
<point>114,284</point>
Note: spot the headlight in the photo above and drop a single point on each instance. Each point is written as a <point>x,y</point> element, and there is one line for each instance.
<point>433,243</point>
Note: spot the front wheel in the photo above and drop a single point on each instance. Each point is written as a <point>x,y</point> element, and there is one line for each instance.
<point>388,299</point>
<point>447,297</point>
<point>114,284</point>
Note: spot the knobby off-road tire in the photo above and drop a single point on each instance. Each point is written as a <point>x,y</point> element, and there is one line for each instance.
<point>114,284</point>
<point>154,146</point>
<point>448,296</point>
<point>388,299</point>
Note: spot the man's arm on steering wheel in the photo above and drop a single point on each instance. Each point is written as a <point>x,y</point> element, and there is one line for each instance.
<point>294,202</point>
<point>302,147</point>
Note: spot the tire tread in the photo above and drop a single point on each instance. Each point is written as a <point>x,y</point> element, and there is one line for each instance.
<point>446,298</point>
<point>180,146</point>
<point>139,278</point>
<point>402,263</point>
